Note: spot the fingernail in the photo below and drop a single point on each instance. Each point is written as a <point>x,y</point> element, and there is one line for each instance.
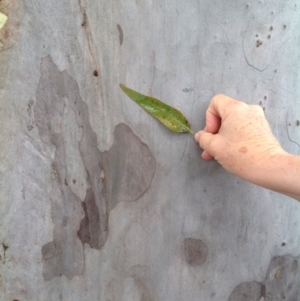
<point>197,137</point>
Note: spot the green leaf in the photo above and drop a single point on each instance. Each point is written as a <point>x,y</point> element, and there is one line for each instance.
<point>167,115</point>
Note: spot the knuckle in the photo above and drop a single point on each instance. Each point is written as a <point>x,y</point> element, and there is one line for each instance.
<point>218,96</point>
<point>257,109</point>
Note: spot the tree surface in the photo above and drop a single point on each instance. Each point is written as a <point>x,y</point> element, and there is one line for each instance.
<point>98,200</point>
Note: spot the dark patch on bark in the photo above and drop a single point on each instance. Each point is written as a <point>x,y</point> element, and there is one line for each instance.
<point>91,221</point>
<point>5,247</point>
<point>247,291</point>
<point>195,251</point>
<point>129,167</point>
<point>123,173</point>
<point>30,111</point>
<point>282,282</point>
<point>121,35</point>
<point>263,290</point>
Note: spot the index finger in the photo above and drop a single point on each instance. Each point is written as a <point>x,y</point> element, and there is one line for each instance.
<point>217,110</point>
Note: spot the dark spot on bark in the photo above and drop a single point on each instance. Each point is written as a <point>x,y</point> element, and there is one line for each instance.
<point>283,244</point>
<point>30,111</point>
<point>195,251</point>
<point>48,250</point>
<point>128,168</point>
<point>74,181</point>
<point>256,35</point>
<point>83,23</point>
<point>121,35</point>
<point>265,97</point>
<point>186,90</point>
<point>284,26</point>
<point>298,122</point>
<point>271,28</point>
<point>269,36</point>
<point>275,71</point>
<point>95,73</point>
<point>260,103</point>
<point>5,247</point>
<point>258,43</point>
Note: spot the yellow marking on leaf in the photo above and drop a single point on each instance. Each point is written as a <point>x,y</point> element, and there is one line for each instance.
<point>3,19</point>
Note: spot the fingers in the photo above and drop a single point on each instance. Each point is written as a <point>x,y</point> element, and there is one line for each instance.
<point>206,156</point>
<point>213,122</point>
<point>217,111</point>
<point>197,136</point>
<point>205,140</point>
<point>220,104</point>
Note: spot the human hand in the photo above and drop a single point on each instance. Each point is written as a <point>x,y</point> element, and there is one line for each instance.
<point>239,137</point>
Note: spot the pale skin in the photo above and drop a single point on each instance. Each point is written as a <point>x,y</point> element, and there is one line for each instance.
<point>239,137</point>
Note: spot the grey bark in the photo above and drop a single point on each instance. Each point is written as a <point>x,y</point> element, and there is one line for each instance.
<point>98,200</point>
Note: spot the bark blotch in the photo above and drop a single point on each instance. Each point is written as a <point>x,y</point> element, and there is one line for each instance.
<point>282,282</point>
<point>195,251</point>
<point>123,173</point>
<point>64,255</point>
<point>89,231</point>
<point>129,167</point>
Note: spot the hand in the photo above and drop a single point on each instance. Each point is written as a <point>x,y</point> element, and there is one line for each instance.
<point>238,136</point>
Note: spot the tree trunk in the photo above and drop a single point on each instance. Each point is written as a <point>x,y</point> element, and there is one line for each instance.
<point>99,201</point>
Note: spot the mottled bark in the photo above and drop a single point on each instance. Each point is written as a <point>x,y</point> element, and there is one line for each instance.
<point>98,201</point>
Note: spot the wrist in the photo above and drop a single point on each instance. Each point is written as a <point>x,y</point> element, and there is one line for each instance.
<point>281,173</point>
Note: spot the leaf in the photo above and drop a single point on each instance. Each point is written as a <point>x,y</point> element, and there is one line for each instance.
<point>167,115</point>
<point>3,19</point>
